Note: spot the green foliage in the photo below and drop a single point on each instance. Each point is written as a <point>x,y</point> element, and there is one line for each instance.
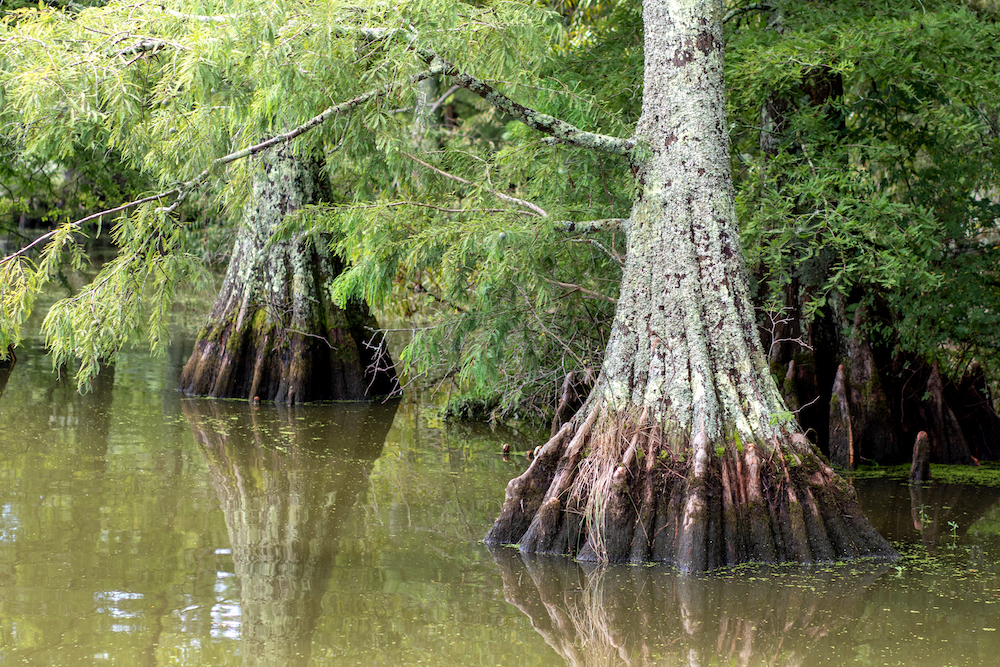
<point>172,89</point>
<point>883,187</point>
<point>881,190</point>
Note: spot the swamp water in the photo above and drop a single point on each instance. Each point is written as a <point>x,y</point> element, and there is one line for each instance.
<point>139,527</point>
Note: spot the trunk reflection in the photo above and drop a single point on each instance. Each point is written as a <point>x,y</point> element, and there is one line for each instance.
<point>286,487</point>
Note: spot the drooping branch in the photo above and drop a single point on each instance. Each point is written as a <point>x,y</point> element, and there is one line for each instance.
<point>88,218</point>
<point>317,120</point>
<point>559,129</point>
<point>182,190</point>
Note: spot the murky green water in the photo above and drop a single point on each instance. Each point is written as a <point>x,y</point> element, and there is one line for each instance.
<point>141,528</point>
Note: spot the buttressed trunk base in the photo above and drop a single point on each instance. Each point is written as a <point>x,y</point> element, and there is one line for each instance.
<point>274,332</point>
<point>684,452</point>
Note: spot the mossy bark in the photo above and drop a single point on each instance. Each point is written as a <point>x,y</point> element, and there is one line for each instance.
<point>274,331</point>
<point>684,452</point>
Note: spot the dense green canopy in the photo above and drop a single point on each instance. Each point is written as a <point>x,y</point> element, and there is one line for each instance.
<point>874,183</point>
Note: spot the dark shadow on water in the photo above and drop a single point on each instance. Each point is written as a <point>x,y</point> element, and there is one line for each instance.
<point>6,368</point>
<point>286,478</point>
<point>933,514</point>
<point>651,615</point>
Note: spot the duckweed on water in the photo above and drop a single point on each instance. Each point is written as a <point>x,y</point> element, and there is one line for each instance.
<point>986,473</point>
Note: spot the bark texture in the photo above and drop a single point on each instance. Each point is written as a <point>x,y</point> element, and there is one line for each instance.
<point>684,452</point>
<point>274,331</point>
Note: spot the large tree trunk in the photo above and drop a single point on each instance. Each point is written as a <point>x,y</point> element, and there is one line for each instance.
<point>684,452</point>
<point>274,332</point>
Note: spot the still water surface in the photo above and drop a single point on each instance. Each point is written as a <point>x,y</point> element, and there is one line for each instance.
<point>139,527</point>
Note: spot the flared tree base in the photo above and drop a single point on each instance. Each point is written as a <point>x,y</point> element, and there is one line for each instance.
<point>347,361</point>
<point>614,489</point>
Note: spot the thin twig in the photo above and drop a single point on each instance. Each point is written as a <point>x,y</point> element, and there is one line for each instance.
<point>514,200</point>
<point>583,290</point>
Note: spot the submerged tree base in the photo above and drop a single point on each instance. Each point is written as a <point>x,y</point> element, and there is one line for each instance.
<point>275,332</point>
<point>623,489</point>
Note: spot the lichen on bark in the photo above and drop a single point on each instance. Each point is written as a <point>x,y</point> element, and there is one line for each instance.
<point>684,452</point>
<point>275,332</point>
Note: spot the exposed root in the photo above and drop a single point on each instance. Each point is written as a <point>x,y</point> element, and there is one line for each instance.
<point>623,489</point>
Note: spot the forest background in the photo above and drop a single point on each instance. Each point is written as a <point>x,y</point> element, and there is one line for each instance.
<point>864,141</point>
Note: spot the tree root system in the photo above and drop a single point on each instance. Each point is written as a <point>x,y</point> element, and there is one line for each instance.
<point>614,489</point>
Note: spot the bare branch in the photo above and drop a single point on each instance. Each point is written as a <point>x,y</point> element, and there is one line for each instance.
<point>590,226</point>
<point>746,9</point>
<point>587,294</point>
<point>451,91</point>
<point>559,129</point>
<point>500,195</point>
<point>394,204</point>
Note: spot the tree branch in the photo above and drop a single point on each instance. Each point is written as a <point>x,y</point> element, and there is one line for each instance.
<point>740,11</point>
<point>313,122</point>
<point>218,18</point>
<point>582,290</point>
<point>590,226</point>
<point>561,130</point>
<point>182,190</point>
<point>118,209</point>
<point>500,195</point>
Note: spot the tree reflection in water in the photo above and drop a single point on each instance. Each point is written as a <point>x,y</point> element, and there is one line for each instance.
<point>287,478</point>
<point>653,616</point>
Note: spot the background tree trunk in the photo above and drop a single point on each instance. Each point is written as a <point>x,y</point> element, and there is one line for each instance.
<point>877,398</point>
<point>274,331</point>
<point>684,452</point>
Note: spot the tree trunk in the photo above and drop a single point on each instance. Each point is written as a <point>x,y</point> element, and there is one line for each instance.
<point>274,332</point>
<point>684,452</point>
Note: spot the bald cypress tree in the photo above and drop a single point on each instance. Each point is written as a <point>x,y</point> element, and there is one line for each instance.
<point>684,451</point>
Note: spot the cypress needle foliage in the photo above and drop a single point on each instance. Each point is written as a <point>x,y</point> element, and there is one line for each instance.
<point>882,192</point>
<point>881,189</point>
